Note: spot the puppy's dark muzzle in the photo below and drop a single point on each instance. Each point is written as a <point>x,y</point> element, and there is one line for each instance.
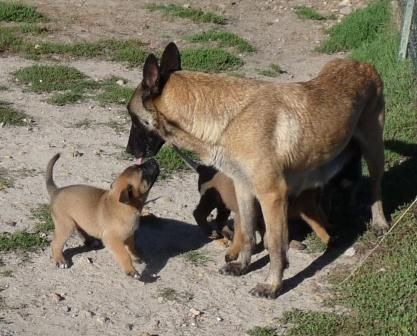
<point>150,171</point>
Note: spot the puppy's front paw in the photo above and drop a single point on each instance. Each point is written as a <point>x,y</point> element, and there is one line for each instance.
<point>265,291</point>
<point>233,268</point>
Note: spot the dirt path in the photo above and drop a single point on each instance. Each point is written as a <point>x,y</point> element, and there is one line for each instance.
<point>97,299</point>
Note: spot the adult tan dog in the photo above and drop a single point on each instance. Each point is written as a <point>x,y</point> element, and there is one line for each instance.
<point>272,139</point>
<point>109,215</point>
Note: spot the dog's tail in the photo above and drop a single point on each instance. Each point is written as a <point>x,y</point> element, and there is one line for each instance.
<point>188,161</point>
<point>50,184</point>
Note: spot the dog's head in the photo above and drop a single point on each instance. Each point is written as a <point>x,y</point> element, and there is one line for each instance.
<point>144,139</point>
<point>132,186</point>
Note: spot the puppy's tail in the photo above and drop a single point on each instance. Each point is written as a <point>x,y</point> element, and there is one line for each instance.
<point>50,184</point>
<point>189,162</point>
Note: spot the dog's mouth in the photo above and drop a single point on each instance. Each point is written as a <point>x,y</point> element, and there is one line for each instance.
<point>150,170</point>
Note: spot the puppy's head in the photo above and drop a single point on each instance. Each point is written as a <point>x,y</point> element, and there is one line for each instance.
<point>134,183</point>
<point>144,139</point>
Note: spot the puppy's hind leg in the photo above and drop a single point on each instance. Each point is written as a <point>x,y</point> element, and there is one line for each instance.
<point>64,227</point>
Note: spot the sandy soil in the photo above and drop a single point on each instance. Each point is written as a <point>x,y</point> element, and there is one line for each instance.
<point>93,297</point>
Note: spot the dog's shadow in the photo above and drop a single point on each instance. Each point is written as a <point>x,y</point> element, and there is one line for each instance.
<point>159,239</point>
<point>399,187</point>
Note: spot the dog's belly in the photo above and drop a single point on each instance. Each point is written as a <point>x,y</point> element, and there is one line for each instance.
<point>316,178</point>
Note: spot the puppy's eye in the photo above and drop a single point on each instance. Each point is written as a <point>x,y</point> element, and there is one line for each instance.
<point>130,190</point>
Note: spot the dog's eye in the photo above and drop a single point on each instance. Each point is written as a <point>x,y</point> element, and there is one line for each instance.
<point>130,190</point>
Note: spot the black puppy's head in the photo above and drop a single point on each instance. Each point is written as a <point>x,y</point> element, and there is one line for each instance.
<point>144,139</point>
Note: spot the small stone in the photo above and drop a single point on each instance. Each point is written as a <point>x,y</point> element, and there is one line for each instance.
<point>129,326</point>
<point>195,312</point>
<point>88,313</point>
<point>1,124</point>
<point>103,320</point>
<point>37,46</point>
<point>350,252</point>
<point>55,298</point>
<point>160,299</point>
<point>66,309</point>
<point>186,5</point>
<point>121,82</point>
<point>219,319</point>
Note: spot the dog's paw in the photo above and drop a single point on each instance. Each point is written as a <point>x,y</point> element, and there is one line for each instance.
<point>380,227</point>
<point>230,256</point>
<point>135,275</point>
<point>233,268</point>
<point>265,291</point>
<point>62,264</point>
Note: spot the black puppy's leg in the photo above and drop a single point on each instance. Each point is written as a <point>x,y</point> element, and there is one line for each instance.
<point>204,208</point>
<point>90,241</point>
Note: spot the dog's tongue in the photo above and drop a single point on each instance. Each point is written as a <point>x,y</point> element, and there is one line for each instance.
<point>139,161</point>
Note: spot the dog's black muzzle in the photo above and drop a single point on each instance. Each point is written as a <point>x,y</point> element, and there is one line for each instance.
<point>142,142</point>
<point>150,171</point>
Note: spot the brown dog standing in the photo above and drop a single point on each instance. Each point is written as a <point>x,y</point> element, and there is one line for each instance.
<point>109,215</point>
<point>272,139</point>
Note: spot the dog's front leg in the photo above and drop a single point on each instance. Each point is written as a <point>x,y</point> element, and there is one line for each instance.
<point>274,208</point>
<point>246,202</point>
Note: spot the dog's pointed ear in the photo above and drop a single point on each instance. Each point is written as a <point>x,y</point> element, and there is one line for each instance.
<point>171,59</point>
<point>151,75</point>
<point>125,195</point>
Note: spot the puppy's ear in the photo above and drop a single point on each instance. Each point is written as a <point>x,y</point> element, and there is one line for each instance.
<point>170,60</point>
<point>126,195</point>
<point>151,76</point>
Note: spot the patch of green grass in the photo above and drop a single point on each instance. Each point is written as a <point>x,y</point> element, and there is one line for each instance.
<point>195,14</point>
<point>65,98</point>
<point>117,126</point>
<point>48,78</point>
<point>9,116</point>
<point>224,39</point>
<point>170,162</point>
<point>314,244</point>
<point>4,88</point>
<point>29,241</point>
<point>312,323</point>
<point>196,258</point>
<point>209,60</point>
<point>114,93</point>
<point>263,331</point>
<point>274,70</point>
<point>305,12</point>
<point>361,26</point>
<point>21,240</point>
<point>13,11</point>
<point>42,216</point>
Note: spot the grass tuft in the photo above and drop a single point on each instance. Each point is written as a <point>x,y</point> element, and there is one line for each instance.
<point>9,116</point>
<point>114,93</point>
<point>42,216</point>
<point>305,12</point>
<point>6,181</point>
<point>362,26</point>
<point>12,11</point>
<point>274,70</point>
<point>196,258</point>
<point>194,14</point>
<point>224,39</point>
<point>209,60</point>
<point>262,331</point>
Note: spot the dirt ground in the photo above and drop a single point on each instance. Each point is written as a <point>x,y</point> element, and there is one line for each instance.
<point>93,297</point>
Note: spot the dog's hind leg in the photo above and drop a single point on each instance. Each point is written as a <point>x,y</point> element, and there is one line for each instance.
<point>120,253</point>
<point>64,227</point>
<point>370,137</point>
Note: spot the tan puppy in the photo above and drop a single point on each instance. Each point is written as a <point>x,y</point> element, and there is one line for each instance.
<point>272,139</point>
<point>109,215</point>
